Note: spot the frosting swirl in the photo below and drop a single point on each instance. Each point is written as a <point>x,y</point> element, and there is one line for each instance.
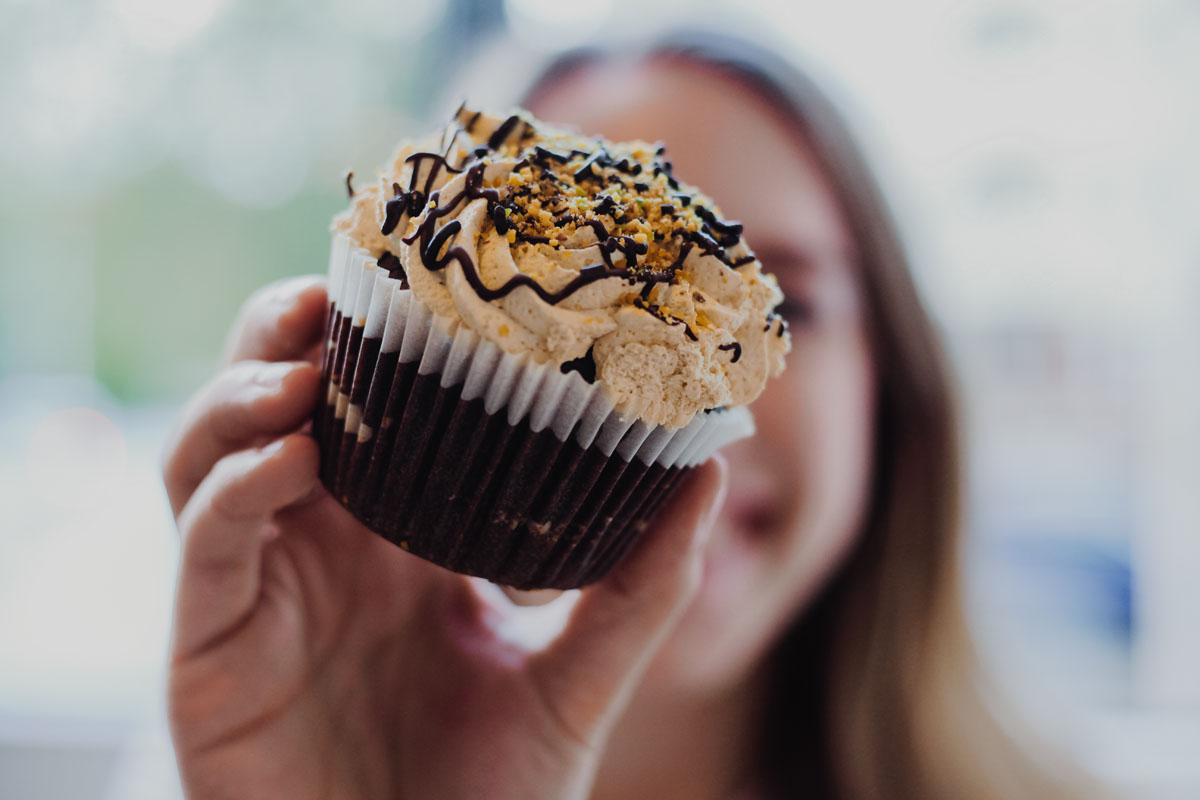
<point>582,252</point>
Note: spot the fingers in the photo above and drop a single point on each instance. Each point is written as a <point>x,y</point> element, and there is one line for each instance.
<point>589,671</point>
<point>249,402</point>
<point>530,597</point>
<point>280,322</point>
<point>224,527</point>
<point>333,550</point>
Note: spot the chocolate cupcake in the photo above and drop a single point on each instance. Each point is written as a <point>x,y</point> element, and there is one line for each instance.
<point>533,336</point>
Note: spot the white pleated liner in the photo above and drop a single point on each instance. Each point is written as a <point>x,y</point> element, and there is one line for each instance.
<point>368,274</point>
<point>349,286</point>
<point>540,393</point>
<point>373,328</point>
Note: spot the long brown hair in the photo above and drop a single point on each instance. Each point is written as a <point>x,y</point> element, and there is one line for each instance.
<point>876,691</point>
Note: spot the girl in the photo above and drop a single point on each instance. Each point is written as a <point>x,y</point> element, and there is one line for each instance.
<point>791,627</point>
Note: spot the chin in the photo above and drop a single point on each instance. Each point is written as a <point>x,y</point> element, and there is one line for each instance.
<point>705,656</point>
<point>728,628</point>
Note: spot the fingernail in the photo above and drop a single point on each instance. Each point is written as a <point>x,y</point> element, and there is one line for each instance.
<point>288,293</point>
<point>271,376</point>
<point>266,451</point>
<point>709,520</point>
<point>314,493</point>
<point>530,597</point>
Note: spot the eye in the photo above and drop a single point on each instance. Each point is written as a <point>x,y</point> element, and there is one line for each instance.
<point>796,310</point>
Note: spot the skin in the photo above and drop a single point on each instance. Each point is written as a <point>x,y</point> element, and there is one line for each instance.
<point>312,659</point>
<point>798,488</point>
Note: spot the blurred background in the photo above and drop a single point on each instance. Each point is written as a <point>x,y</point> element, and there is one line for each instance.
<point>161,159</point>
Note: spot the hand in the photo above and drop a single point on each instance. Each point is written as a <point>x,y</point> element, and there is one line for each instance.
<point>310,658</point>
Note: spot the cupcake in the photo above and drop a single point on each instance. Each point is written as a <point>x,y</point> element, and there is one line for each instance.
<point>532,337</point>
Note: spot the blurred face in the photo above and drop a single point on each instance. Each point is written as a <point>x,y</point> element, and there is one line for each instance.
<point>798,487</point>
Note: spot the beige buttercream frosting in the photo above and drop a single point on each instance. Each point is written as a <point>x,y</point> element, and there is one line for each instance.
<point>582,252</point>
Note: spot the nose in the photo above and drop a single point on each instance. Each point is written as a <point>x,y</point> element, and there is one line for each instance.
<point>751,505</point>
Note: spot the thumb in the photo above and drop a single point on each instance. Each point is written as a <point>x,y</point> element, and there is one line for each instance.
<point>589,671</point>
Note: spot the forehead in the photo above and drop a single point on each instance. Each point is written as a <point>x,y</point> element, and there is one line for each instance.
<point>721,136</point>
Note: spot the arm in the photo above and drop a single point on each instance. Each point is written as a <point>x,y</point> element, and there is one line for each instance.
<point>311,658</point>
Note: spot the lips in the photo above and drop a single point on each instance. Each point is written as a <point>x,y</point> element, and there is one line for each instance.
<point>750,511</point>
<point>728,565</point>
<point>737,542</point>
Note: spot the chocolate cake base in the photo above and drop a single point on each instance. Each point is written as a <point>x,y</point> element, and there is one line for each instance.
<point>447,481</point>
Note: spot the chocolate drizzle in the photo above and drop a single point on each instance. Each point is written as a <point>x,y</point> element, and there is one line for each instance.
<point>720,226</point>
<point>587,275</point>
<point>664,168</point>
<point>500,220</point>
<point>395,269</point>
<point>407,204</point>
<point>433,241</point>
<point>657,312</point>
<point>709,245</point>
<point>586,170</point>
<point>607,205</point>
<point>619,253</point>
<point>624,245</point>
<point>771,319</point>
<point>545,156</point>
<point>439,163</point>
<point>500,135</point>
<point>585,365</point>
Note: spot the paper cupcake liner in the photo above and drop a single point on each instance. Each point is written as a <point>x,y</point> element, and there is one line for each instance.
<point>479,460</point>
